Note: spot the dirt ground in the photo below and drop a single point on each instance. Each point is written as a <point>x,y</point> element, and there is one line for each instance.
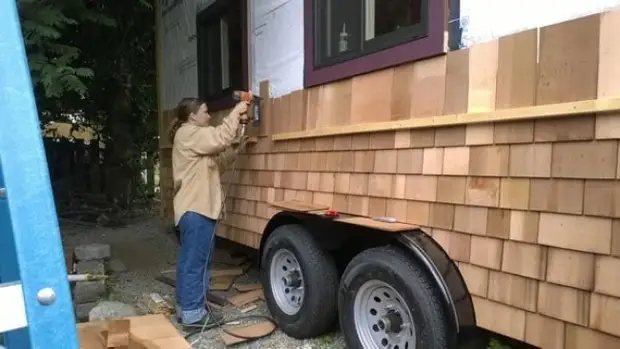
<point>146,250</point>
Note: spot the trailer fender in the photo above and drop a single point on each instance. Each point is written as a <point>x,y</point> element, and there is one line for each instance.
<point>446,275</point>
<point>279,219</point>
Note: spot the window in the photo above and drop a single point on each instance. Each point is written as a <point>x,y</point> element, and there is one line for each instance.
<point>351,28</point>
<point>222,52</point>
<point>350,37</point>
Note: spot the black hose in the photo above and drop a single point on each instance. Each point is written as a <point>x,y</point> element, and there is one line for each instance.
<point>240,318</point>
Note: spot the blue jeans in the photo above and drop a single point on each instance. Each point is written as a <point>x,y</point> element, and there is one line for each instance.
<point>192,280</point>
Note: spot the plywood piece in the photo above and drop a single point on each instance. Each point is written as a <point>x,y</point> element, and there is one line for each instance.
<point>222,283</point>
<point>568,68</point>
<point>249,331</point>
<point>246,298</point>
<point>371,223</point>
<point>248,287</point>
<point>298,206</point>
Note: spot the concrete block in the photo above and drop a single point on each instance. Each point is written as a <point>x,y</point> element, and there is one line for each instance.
<point>83,310</point>
<point>111,310</point>
<point>92,252</point>
<point>116,266</point>
<point>89,291</point>
<point>96,267</point>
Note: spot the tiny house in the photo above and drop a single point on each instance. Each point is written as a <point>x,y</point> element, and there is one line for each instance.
<point>465,153</point>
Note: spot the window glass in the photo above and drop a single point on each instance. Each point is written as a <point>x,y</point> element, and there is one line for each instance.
<point>390,16</point>
<point>348,29</point>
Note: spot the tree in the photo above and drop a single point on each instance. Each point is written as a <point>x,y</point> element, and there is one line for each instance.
<point>95,59</point>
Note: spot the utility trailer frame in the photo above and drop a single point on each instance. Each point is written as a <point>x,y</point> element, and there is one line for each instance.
<point>302,231</point>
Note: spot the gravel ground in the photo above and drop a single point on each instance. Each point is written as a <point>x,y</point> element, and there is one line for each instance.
<point>146,250</point>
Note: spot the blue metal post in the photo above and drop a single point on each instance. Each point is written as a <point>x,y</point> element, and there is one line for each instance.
<point>31,254</point>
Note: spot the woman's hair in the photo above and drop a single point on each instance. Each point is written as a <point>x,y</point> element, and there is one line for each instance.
<point>185,107</point>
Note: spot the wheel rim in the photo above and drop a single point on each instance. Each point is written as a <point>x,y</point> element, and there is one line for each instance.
<point>287,282</point>
<point>382,317</point>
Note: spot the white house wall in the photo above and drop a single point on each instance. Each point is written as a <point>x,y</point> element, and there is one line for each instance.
<point>180,71</point>
<point>277,36</point>
<point>277,44</point>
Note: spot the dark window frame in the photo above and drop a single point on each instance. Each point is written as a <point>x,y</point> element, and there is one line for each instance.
<point>214,12</point>
<point>432,44</point>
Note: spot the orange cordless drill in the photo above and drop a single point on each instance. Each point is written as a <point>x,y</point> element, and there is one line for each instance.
<point>248,97</point>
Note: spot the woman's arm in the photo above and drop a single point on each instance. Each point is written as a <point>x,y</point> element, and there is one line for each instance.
<point>212,140</point>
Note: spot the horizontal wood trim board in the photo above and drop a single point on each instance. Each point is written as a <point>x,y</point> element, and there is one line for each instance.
<point>513,114</point>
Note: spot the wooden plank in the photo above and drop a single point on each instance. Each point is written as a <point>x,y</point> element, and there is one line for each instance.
<point>371,223</point>
<point>249,331</point>
<point>298,206</point>
<point>513,114</point>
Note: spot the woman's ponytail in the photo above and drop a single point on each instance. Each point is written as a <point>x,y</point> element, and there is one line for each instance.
<point>185,107</point>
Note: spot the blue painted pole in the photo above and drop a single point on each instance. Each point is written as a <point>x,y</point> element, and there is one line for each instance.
<point>30,245</point>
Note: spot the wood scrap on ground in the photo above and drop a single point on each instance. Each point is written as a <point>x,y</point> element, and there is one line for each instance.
<point>247,332</point>
<point>222,283</point>
<point>154,303</point>
<point>248,287</point>
<point>249,308</point>
<point>228,258</point>
<point>247,298</point>
<point>216,272</point>
<point>211,297</point>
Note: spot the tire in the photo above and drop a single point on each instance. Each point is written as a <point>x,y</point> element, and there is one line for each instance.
<point>318,309</point>
<point>383,288</point>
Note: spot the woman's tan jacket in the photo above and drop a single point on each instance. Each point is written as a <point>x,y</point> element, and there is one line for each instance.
<point>199,156</point>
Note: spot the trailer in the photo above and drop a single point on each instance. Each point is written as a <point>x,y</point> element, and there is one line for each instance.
<point>424,174</point>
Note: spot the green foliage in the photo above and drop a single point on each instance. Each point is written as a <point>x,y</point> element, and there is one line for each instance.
<point>52,59</point>
<point>496,344</point>
<point>93,62</point>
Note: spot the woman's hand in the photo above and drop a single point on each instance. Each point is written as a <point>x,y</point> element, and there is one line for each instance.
<point>241,109</point>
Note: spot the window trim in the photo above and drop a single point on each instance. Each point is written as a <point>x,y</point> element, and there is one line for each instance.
<point>213,11</point>
<point>425,47</point>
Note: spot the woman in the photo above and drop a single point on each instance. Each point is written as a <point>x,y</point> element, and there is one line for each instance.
<point>199,153</point>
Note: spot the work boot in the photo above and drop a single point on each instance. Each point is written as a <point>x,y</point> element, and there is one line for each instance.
<point>217,313</point>
<point>210,320</point>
